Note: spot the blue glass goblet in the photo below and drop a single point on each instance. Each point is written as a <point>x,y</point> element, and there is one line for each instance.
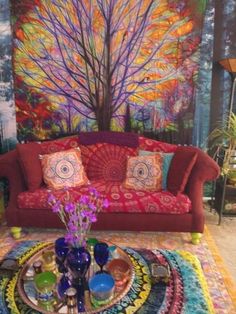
<point>61,251</point>
<point>101,254</point>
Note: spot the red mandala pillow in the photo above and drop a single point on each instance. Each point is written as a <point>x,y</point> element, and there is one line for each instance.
<point>144,173</point>
<point>63,169</point>
<point>107,162</point>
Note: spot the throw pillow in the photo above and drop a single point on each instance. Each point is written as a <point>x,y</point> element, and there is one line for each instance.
<point>30,164</point>
<point>144,173</point>
<point>63,169</point>
<point>180,169</point>
<point>167,157</point>
<point>106,162</point>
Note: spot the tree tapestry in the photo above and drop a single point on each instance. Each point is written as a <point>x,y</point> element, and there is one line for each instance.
<point>114,64</point>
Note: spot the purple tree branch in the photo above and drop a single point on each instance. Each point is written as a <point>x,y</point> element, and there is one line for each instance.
<point>97,69</point>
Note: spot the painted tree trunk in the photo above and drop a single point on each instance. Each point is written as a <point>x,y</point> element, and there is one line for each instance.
<point>103,118</point>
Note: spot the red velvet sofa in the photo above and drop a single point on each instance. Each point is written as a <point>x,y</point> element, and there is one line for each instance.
<point>104,156</point>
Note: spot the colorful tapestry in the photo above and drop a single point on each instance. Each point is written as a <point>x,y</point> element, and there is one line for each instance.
<point>87,65</point>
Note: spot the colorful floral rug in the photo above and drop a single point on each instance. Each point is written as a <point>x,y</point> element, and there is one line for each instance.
<point>221,289</point>
<point>185,292</point>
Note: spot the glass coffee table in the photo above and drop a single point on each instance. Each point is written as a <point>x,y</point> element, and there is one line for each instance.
<point>28,292</point>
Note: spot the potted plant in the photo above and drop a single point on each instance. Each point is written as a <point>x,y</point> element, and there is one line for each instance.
<point>224,138</point>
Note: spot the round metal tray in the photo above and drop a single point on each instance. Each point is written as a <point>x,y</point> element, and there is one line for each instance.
<point>27,292</point>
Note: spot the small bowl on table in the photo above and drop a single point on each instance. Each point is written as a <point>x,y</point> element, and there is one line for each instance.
<point>120,271</point>
<point>101,288</point>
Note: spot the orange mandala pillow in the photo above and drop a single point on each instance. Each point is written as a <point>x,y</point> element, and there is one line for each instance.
<point>144,173</point>
<point>63,169</point>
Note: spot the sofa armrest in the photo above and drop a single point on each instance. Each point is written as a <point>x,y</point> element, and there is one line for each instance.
<point>10,169</point>
<point>205,169</point>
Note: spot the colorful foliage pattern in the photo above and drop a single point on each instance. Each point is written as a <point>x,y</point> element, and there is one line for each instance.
<point>79,64</point>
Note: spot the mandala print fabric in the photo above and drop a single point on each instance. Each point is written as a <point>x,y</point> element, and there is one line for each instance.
<point>144,173</point>
<point>63,169</point>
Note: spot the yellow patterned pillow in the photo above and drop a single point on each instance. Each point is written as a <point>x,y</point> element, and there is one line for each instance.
<point>144,173</point>
<point>63,169</point>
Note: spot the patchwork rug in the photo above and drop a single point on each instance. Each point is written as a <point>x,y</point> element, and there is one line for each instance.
<point>221,289</point>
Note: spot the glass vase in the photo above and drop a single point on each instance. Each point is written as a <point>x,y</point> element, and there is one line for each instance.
<point>78,261</point>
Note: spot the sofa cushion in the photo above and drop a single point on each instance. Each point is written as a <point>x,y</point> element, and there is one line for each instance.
<point>120,199</point>
<point>180,169</point>
<point>30,164</point>
<point>106,162</point>
<point>144,173</point>
<point>63,169</point>
<point>111,137</point>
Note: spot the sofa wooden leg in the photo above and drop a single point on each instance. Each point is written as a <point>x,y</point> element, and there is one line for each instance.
<point>196,237</point>
<point>16,232</point>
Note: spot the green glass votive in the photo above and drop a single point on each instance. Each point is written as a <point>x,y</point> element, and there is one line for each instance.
<point>45,284</point>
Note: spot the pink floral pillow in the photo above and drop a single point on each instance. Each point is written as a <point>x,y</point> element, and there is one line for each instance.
<point>63,169</point>
<point>144,173</point>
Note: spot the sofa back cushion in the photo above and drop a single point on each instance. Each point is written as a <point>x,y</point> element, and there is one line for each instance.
<point>103,161</point>
<point>60,144</point>
<point>180,169</point>
<point>155,146</point>
<point>30,164</point>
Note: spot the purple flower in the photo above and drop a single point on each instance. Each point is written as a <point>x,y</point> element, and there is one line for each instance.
<point>93,218</point>
<point>106,203</point>
<point>92,206</point>
<point>84,213</point>
<point>93,191</point>
<point>69,238</point>
<point>51,198</point>
<point>74,217</point>
<point>84,199</point>
<point>69,207</point>
<point>72,227</point>
<point>56,207</point>
<point>77,213</point>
